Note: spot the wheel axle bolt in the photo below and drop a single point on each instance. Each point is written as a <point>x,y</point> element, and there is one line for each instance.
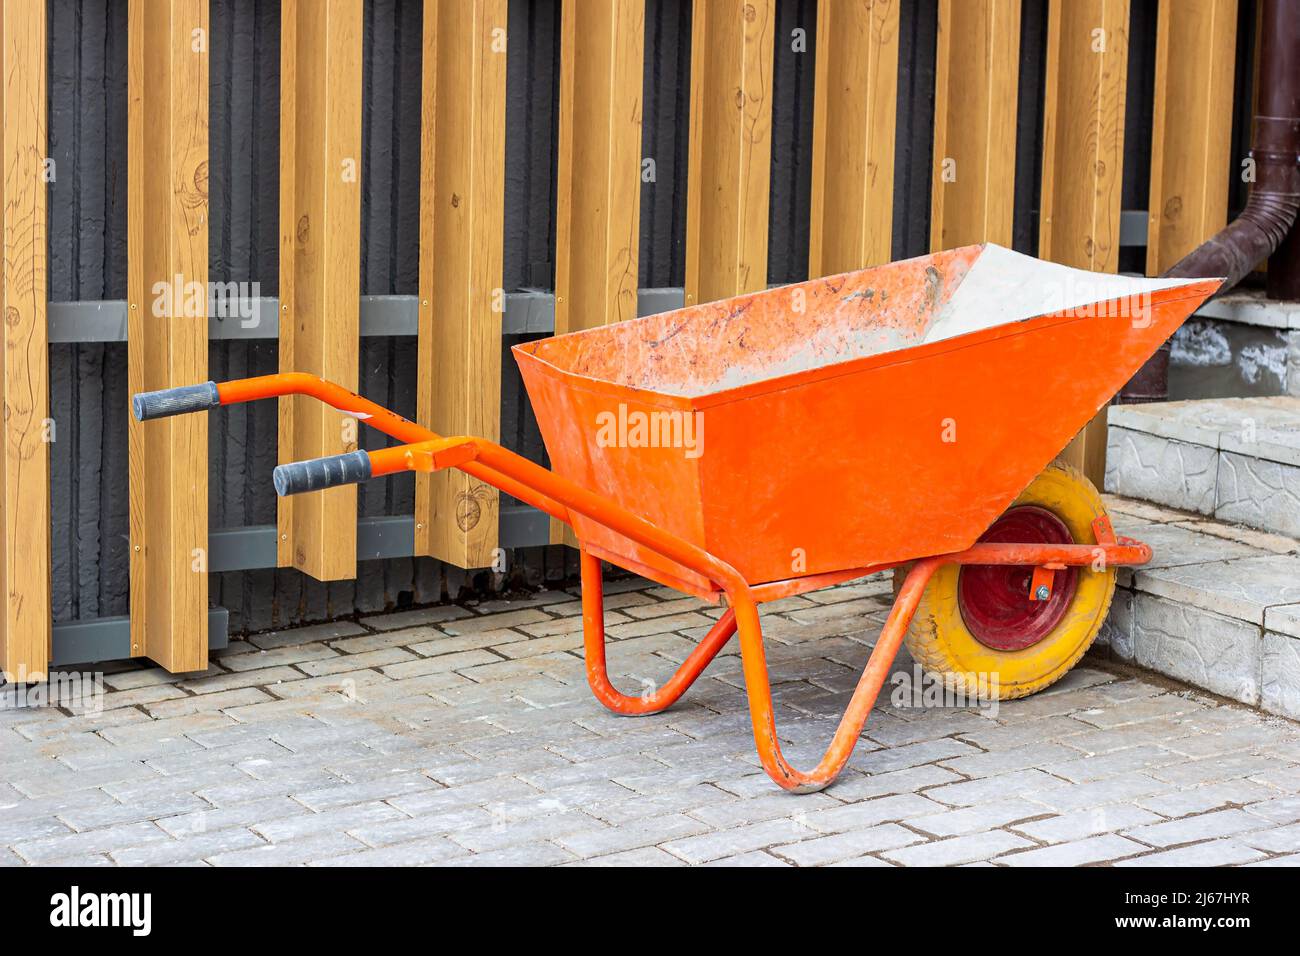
<point>1042,594</point>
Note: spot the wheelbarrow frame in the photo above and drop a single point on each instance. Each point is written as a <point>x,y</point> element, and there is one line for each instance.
<point>425,450</point>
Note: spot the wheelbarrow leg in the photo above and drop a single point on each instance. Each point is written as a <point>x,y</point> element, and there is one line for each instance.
<point>759,688</point>
<point>593,634</point>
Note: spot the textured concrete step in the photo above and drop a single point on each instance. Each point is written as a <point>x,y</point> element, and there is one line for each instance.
<point>1217,607</point>
<point>1235,459</point>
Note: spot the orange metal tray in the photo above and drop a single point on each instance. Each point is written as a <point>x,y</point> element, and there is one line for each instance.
<point>871,417</point>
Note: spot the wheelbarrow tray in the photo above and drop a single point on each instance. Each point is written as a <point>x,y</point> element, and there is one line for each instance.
<point>866,418</point>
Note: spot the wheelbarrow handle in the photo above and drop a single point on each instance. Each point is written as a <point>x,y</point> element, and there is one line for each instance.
<point>316,474</point>
<point>353,467</point>
<point>175,401</point>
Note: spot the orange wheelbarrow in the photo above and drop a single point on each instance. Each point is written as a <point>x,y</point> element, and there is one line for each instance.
<point>764,446</point>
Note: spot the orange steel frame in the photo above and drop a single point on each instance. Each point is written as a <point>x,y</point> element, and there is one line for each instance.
<point>557,496</point>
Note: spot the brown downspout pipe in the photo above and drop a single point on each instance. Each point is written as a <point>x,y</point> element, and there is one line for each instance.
<point>1266,225</point>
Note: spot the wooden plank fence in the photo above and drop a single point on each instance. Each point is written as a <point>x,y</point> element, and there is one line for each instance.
<point>462,212</point>
<point>25,463</point>
<point>599,190</point>
<point>977,67</point>
<point>1191,127</point>
<point>167,336</point>
<point>598,185</point>
<point>854,107</point>
<point>730,164</point>
<point>1083,158</point>
<point>320,267</point>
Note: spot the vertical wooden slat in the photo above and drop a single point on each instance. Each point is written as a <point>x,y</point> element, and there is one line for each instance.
<point>855,96</point>
<point>1083,158</point>
<point>167,275</point>
<point>730,152</point>
<point>320,266</point>
<point>462,217</point>
<point>599,184</point>
<point>25,462</point>
<point>976,73</point>
<point>1191,127</point>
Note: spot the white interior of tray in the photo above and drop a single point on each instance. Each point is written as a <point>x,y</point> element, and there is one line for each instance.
<point>1004,286</point>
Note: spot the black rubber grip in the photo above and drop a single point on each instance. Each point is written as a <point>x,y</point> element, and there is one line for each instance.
<point>317,473</point>
<point>174,401</point>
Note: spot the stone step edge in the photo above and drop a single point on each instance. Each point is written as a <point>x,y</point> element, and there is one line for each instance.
<point>1249,439</point>
<point>1239,488</point>
<point>1241,646</point>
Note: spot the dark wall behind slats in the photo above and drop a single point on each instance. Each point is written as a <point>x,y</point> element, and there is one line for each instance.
<point>87,122</point>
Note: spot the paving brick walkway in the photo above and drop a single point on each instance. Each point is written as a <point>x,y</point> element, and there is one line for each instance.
<point>468,736</point>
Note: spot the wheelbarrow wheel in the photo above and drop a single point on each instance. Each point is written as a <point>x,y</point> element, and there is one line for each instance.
<point>977,625</point>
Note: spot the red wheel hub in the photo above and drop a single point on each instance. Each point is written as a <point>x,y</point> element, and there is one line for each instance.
<point>994,599</point>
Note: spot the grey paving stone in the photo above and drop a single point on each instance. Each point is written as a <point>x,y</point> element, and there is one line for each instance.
<point>862,861</point>
<point>985,816</point>
<point>992,736</point>
<point>1095,849</point>
<point>1279,810</point>
<point>283,829</point>
<point>1292,860</point>
<point>963,849</point>
<point>1209,853</point>
<point>1275,840</point>
<point>493,622</point>
<point>1079,824</point>
<point>869,813</point>
<point>755,858</point>
<point>191,847</point>
<point>1211,796</point>
<point>287,654</point>
<point>404,829</point>
<point>846,846</point>
<point>642,856</point>
<point>634,806</point>
<point>528,854</point>
<point>239,815</point>
<point>394,785</point>
<point>737,840</point>
<point>1205,826</point>
<point>912,755</point>
<point>15,830</point>
<point>478,793</point>
<point>969,793</point>
<point>207,703</point>
<point>318,848</point>
<point>51,848</point>
<point>995,763</point>
<point>313,633</point>
<point>769,806</point>
<point>1217,769</point>
<point>432,851</point>
<point>398,620</point>
<point>647,831</point>
<point>504,833</point>
<point>911,780</point>
<point>159,803</point>
<point>218,682</point>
